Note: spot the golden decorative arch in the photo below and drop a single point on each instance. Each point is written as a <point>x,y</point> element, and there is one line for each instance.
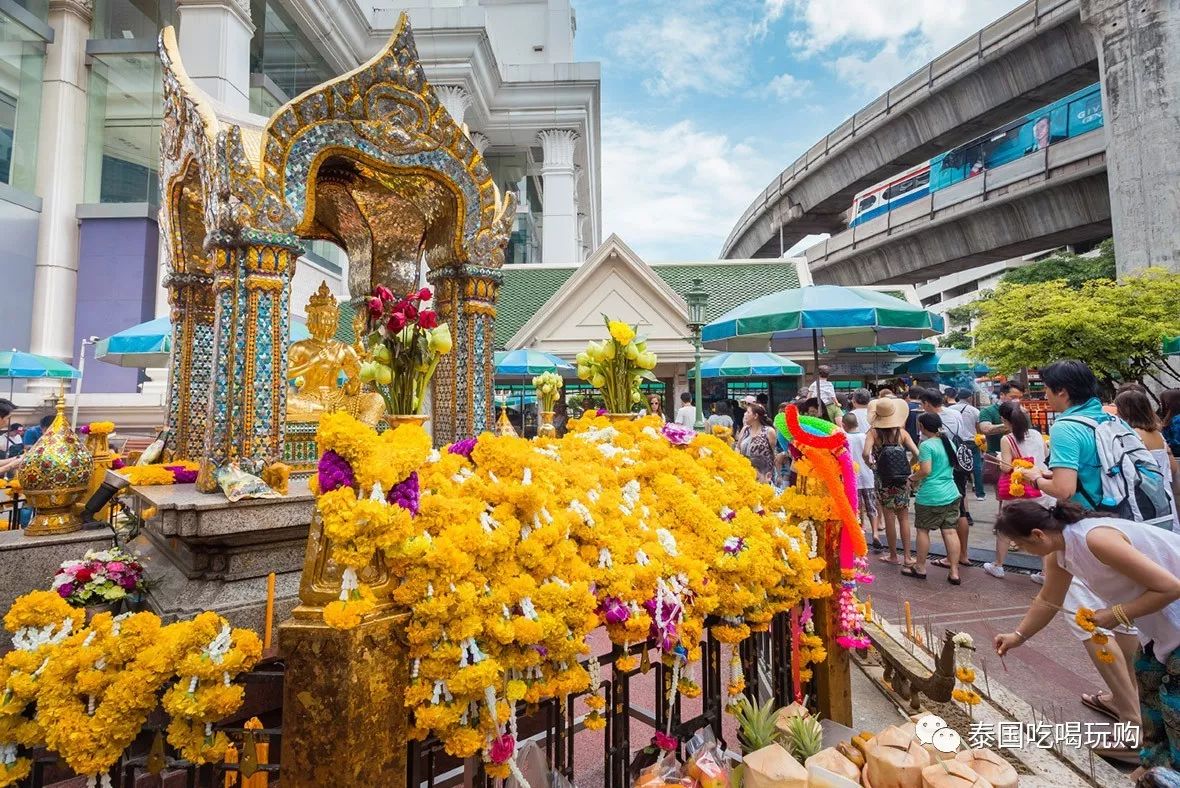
<point>374,162</point>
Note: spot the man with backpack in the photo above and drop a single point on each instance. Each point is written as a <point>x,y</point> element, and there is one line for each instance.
<point>1099,462</point>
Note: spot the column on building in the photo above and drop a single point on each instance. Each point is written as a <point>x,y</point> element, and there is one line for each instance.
<point>214,37</point>
<point>559,215</point>
<point>1139,61</point>
<point>61,147</point>
<point>455,99</point>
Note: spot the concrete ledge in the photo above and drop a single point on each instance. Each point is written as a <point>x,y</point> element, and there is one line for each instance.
<point>184,512</point>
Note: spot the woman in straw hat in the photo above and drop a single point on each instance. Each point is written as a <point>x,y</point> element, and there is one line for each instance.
<point>890,452</point>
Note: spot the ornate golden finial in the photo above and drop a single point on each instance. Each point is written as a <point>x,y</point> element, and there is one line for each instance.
<point>322,298</point>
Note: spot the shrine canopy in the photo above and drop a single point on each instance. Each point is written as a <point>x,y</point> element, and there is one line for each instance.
<point>148,344</point>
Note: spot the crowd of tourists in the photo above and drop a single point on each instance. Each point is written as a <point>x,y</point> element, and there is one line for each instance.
<point>1094,499</point>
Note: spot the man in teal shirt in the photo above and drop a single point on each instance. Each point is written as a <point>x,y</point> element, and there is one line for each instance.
<point>1074,469</point>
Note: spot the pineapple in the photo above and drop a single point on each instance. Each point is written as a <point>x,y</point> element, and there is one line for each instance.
<point>756,727</point>
<point>803,737</point>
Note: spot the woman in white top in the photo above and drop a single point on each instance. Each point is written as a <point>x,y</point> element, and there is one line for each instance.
<point>1021,442</point>
<point>1134,569</point>
<point>1134,407</point>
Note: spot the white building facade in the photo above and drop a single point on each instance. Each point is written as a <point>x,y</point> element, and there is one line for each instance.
<point>80,114</point>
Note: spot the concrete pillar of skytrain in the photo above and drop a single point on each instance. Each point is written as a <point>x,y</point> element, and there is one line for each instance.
<point>1139,59</point>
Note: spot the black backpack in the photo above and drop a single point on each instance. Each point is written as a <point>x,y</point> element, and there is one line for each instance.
<point>961,457</point>
<point>893,465</point>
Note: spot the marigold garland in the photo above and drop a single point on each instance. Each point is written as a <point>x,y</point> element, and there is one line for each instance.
<point>1084,617</point>
<point>510,552</point>
<point>964,670</point>
<point>95,685</point>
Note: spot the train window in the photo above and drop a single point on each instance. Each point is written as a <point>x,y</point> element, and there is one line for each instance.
<point>866,203</point>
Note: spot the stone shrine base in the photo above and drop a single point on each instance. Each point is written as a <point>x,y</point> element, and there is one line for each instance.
<point>204,553</point>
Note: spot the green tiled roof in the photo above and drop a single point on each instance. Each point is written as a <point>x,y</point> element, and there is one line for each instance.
<point>526,289</point>
<point>524,292</point>
<point>730,284</point>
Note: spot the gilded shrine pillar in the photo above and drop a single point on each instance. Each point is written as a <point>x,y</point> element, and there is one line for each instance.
<point>191,298</point>
<point>248,402</point>
<point>463,395</point>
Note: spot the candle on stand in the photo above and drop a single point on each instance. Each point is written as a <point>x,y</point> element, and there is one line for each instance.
<point>909,621</point>
<point>270,611</point>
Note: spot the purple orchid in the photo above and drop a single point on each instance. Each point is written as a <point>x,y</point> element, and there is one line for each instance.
<point>678,434</point>
<point>614,611</point>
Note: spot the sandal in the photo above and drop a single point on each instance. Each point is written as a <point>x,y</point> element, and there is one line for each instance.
<point>1096,703</point>
<point>887,560</point>
<point>942,563</point>
<point>955,581</point>
<point>909,571</point>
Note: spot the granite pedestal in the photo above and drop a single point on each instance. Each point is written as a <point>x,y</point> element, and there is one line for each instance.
<point>28,563</point>
<point>205,553</point>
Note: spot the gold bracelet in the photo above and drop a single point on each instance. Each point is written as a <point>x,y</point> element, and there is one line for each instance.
<point>1122,616</point>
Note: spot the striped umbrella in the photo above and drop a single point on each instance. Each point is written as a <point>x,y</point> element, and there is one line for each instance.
<point>148,344</point>
<point>747,365</point>
<point>941,361</point>
<point>18,364</point>
<point>527,361</point>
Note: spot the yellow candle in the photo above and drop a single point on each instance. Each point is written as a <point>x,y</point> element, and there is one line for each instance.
<point>270,611</point>
<point>231,756</point>
<point>869,608</point>
<point>909,621</point>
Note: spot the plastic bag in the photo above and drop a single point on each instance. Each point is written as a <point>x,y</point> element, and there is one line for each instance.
<point>664,773</point>
<point>237,484</point>
<point>708,767</point>
<point>533,765</point>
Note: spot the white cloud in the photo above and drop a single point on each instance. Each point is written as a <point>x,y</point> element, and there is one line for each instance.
<point>883,41</point>
<point>772,11</point>
<point>674,192</point>
<point>787,86</point>
<point>695,47</point>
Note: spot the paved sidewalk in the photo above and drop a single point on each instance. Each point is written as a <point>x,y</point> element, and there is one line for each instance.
<point>1050,671</point>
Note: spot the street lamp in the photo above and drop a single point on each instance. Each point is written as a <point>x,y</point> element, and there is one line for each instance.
<point>697,298</point>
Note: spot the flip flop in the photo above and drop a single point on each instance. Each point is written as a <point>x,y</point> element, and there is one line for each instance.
<point>910,572</point>
<point>1096,703</point>
<point>887,560</point>
<point>941,563</point>
<point>955,581</point>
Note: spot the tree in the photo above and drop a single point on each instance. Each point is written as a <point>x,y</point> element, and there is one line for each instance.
<point>1118,328</point>
<point>960,320</point>
<point>1074,269</point>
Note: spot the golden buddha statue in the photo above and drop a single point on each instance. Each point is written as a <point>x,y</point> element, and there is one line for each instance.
<point>316,363</point>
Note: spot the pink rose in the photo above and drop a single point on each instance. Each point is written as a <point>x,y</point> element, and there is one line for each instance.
<point>503,748</point>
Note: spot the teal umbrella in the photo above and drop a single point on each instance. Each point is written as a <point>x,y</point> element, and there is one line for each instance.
<point>794,320</point>
<point>1172,346</point>
<point>747,365</point>
<point>900,348</point>
<point>18,364</point>
<point>148,344</point>
<point>941,361</point>
<point>527,361</point>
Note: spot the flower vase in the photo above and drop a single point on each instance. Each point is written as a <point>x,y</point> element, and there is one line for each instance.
<point>395,420</point>
<point>547,430</point>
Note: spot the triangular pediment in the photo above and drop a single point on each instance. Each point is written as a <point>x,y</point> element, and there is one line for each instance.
<point>616,283</point>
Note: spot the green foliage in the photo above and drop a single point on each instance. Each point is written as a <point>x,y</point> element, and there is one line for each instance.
<point>959,338</point>
<point>1117,328</point>
<point>1074,269</point>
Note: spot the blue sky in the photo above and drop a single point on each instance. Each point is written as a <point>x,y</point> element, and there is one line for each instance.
<point>705,101</point>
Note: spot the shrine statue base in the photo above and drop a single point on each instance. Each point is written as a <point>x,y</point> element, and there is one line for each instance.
<point>344,714</point>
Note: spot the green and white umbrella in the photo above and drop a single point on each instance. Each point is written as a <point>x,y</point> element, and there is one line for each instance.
<point>18,364</point>
<point>148,344</point>
<point>527,361</point>
<point>941,361</point>
<point>747,365</point>
<point>798,319</point>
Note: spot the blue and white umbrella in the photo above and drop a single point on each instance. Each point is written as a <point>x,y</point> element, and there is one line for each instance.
<point>148,344</point>
<point>526,362</point>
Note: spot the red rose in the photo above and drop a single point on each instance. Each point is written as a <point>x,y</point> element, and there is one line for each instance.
<point>397,321</point>
<point>411,311</point>
<point>424,294</point>
<point>83,575</point>
<point>376,306</point>
<point>383,292</point>
<point>428,318</point>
